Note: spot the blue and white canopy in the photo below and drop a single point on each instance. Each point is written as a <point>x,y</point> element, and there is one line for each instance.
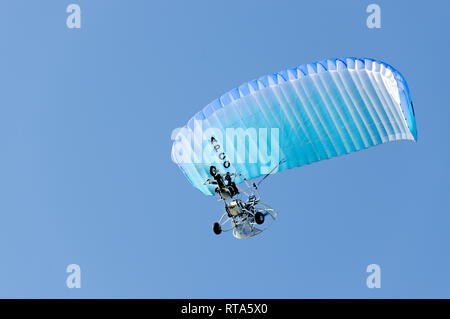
<point>302,115</point>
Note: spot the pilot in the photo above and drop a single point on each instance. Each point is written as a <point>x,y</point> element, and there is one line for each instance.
<point>231,185</point>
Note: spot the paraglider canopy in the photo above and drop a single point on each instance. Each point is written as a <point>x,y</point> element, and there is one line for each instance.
<point>306,114</point>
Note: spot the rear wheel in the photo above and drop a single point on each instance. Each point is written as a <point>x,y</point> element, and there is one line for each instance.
<point>217,228</point>
<point>259,218</point>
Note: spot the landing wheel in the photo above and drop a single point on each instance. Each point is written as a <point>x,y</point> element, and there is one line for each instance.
<point>213,171</point>
<point>259,218</point>
<point>217,228</point>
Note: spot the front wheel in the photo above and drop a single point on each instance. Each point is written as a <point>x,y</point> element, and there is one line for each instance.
<point>217,228</point>
<point>259,218</point>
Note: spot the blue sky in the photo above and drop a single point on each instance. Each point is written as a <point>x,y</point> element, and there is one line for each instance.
<point>86,176</point>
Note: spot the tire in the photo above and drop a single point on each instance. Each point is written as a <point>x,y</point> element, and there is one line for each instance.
<point>213,171</point>
<point>217,229</point>
<point>259,218</point>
